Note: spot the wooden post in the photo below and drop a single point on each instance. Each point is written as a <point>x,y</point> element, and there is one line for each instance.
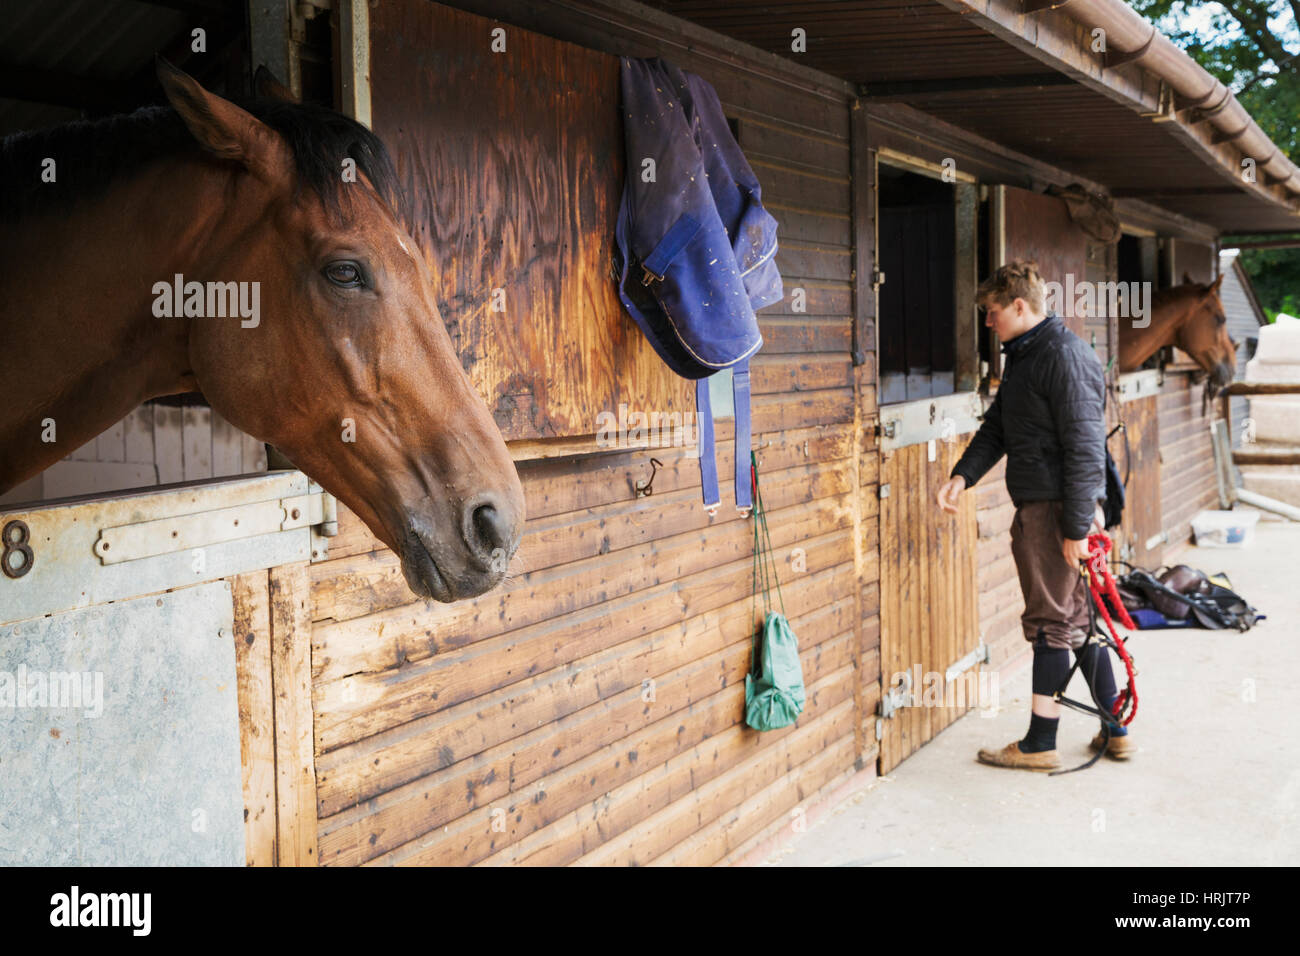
<point>252,631</point>
<point>354,60</point>
<point>295,769</point>
<point>966,375</point>
<point>863,165</point>
<point>997,259</point>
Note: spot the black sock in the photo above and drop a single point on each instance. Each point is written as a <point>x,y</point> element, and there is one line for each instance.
<point>1095,664</point>
<point>1041,736</point>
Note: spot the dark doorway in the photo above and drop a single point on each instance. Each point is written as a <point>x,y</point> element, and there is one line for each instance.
<point>917,307</point>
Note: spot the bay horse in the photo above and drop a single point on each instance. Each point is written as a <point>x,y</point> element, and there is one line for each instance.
<point>348,368</point>
<point>1191,317</point>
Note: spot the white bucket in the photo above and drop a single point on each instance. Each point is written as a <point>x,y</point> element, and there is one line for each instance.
<point>1224,529</point>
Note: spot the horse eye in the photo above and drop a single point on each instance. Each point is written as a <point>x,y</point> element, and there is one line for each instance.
<point>344,274</point>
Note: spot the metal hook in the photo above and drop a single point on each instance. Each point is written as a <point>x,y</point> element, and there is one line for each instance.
<point>643,488</point>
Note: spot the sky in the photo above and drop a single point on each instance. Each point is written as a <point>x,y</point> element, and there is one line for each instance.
<point>1198,19</point>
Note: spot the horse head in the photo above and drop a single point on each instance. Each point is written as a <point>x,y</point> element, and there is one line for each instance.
<point>350,370</point>
<point>1204,334</point>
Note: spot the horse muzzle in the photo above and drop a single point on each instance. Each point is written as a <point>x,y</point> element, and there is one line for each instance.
<point>450,557</point>
<point>1221,376</point>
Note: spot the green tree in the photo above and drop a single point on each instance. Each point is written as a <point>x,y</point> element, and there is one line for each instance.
<point>1253,47</point>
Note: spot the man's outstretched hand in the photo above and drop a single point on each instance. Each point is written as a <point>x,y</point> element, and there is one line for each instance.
<point>948,492</point>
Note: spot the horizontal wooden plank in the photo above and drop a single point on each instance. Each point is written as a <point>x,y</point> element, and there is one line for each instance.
<point>776,144</point>
<point>799,373</point>
<point>805,297</point>
<point>592,822</point>
<point>461,731</point>
<point>800,260</point>
<point>405,635</point>
<point>830,796</point>
<point>715,774</point>
<point>1000,596</point>
<point>577,484</point>
<point>775,802</point>
<point>807,335</point>
<point>815,192</point>
<point>372,583</point>
<point>364,704</point>
<point>653,836</point>
<point>691,703</point>
<point>810,225</point>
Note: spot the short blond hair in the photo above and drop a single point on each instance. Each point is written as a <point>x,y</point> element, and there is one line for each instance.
<point>1018,279</point>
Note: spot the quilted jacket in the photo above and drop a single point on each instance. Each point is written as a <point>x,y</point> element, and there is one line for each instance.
<point>1048,418</point>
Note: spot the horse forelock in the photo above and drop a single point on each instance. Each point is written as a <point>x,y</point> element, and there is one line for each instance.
<point>320,140</point>
<point>90,155</point>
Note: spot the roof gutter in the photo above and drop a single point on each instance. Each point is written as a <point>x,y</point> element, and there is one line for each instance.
<point>1131,38</point>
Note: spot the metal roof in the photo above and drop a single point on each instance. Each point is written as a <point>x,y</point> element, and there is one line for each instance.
<point>959,63</point>
<point>951,59</point>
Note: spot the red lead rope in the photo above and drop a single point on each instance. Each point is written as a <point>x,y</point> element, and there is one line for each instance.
<point>1100,581</point>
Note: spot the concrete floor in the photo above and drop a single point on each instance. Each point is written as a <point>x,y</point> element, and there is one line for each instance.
<point>1216,780</point>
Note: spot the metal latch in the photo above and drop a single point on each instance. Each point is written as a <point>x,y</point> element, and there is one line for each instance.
<point>896,698</point>
<point>147,539</point>
<point>980,655</point>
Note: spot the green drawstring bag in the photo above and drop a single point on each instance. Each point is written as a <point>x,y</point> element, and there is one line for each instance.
<point>774,694</point>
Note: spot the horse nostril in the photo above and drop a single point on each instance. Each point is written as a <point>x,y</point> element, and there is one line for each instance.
<point>489,534</point>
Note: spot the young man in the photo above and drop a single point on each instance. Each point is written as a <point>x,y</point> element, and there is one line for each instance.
<point>1048,417</point>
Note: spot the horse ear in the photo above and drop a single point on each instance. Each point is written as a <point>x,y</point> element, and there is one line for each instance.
<point>219,126</point>
<point>265,84</point>
<point>1214,286</point>
<point>1187,278</point>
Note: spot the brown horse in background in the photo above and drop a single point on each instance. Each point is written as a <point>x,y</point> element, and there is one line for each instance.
<point>1191,317</point>
<point>348,368</point>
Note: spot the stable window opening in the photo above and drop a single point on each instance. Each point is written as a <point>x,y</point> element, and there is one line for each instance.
<point>926,229</point>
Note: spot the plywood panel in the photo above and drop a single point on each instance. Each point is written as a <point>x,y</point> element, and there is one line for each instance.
<point>514,164</point>
<point>1039,227</point>
<point>1142,508</point>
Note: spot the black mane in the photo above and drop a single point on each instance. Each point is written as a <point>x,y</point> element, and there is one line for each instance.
<point>92,154</point>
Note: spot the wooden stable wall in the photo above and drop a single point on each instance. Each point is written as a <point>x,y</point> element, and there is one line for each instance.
<point>1000,601</point>
<point>1187,482</point>
<point>590,710</point>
